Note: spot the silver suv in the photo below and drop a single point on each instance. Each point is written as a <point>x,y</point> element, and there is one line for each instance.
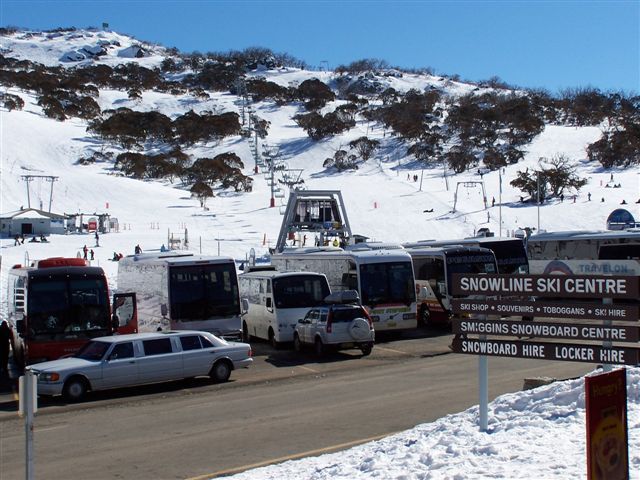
<point>341,323</point>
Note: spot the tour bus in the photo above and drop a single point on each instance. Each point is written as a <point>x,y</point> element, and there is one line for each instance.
<point>183,291</point>
<point>511,254</point>
<point>433,269</point>
<point>274,301</point>
<point>585,245</point>
<point>55,305</point>
<point>383,279</point>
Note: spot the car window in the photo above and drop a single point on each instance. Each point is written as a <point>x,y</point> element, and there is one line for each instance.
<point>93,350</point>
<point>346,314</point>
<point>192,342</point>
<point>157,346</point>
<point>206,343</point>
<point>310,314</point>
<point>323,316</point>
<point>122,350</point>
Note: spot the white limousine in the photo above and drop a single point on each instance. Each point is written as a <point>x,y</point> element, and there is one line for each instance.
<point>140,358</point>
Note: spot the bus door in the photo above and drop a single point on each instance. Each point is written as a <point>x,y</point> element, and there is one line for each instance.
<point>125,313</point>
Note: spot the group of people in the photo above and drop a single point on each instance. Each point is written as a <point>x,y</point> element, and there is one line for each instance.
<point>414,177</point>
<point>88,251</point>
<point>19,239</point>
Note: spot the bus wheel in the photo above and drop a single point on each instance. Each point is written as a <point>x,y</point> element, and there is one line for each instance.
<point>366,349</point>
<point>297,344</point>
<point>245,333</point>
<point>75,389</point>
<point>319,347</point>
<point>221,371</point>
<point>272,339</point>
<point>424,317</point>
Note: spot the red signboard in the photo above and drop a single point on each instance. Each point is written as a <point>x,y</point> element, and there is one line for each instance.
<point>607,441</point>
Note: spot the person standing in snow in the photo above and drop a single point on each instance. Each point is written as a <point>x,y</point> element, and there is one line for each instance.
<point>5,340</point>
<point>97,239</point>
<point>85,250</point>
<point>138,249</point>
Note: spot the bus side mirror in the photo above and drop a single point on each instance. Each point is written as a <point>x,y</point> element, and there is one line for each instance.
<point>164,310</point>
<point>20,327</point>
<point>245,306</point>
<point>268,303</point>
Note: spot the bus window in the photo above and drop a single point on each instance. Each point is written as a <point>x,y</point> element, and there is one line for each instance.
<point>300,291</point>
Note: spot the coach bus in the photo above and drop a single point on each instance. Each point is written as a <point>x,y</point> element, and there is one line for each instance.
<point>183,291</point>
<point>585,245</point>
<point>383,279</point>
<point>433,269</point>
<point>274,301</point>
<point>511,254</point>
<point>55,305</point>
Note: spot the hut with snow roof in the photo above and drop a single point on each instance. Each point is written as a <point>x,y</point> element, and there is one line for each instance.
<point>31,221</point>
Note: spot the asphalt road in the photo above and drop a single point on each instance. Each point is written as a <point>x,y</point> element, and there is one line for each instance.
<point>285,405</point>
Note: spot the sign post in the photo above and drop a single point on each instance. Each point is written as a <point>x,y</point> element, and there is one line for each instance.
<point>484,318</point>
<point>27,407</point>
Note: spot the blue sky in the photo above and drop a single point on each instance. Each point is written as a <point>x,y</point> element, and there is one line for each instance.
<point>551,44</point>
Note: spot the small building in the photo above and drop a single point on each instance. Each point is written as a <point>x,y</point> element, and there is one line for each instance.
<point>31,221</point>
<point>621,219</point>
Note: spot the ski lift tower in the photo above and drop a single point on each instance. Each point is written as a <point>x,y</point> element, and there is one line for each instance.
<point>321,212</point>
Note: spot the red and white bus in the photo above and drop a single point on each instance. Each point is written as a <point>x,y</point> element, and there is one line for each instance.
<point>57,304</point>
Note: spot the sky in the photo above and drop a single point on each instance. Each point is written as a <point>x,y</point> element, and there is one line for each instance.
<point>552,44</point>
<point>536,434</point>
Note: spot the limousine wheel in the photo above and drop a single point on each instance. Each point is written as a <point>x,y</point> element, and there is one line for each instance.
<point>297,344</point>
<point>221,371</point>
<point>75,389</point>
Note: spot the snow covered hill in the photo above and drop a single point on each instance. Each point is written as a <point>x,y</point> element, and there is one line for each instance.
<point>382,199</point>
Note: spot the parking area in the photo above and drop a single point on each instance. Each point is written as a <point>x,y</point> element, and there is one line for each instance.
<point>269,365</point>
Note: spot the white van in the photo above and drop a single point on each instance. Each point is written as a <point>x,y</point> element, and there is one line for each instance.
<point>273,301</point>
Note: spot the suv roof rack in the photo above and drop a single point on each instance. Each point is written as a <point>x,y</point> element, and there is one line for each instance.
<point>346,296</point>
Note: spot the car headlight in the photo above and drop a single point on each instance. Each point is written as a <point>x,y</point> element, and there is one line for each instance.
<point>49,376</point>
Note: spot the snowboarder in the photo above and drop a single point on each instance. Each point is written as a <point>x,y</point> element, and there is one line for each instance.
<point>97,239</point>
<point>17,242</point>
<point>493,201</point>
<point>138,249</point>
<point>562,197</point>
<point>91,253</point>
<point>85,250</point>
<point>589,196</point>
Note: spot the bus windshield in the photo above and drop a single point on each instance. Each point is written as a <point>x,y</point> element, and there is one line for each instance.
<point>200,292</point>
<point>68,307</point>
<point>300,291</point>
<point>383,283</point>
<point>469,263</point>
<point>511,256</point>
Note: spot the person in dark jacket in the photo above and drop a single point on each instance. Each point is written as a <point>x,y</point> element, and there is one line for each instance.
<point>5,340</point>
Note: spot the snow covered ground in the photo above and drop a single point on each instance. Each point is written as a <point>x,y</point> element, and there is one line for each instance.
<point>535,434</point>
